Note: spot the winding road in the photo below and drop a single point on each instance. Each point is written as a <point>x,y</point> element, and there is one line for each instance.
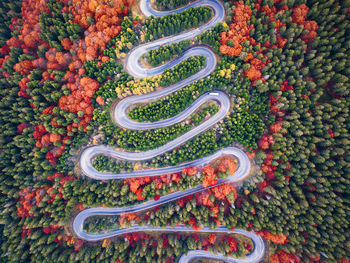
<point>120,115</point>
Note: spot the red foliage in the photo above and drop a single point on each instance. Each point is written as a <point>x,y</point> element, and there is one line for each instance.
<point>232,242</point>
<point>212,238</point>
<point>4,50</point>
<point>51,229</point>
<point>284,86</point>
<point>77,245</point>
<point>330,132</point>
<point>26,232</point>
<point>262,185</point>
<point>193,223</point>
<point>21,127</point>
<point>181,202</point>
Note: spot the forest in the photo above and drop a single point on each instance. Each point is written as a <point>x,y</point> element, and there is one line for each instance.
<point>285,66</point>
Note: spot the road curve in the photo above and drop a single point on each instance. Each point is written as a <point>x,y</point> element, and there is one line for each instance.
<point>135,68</point>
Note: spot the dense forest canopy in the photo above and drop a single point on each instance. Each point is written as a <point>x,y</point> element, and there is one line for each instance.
<point>285,66</point>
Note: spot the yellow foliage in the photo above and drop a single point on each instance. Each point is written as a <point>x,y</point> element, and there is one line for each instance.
<point>129,45</point>
<point>138,86</point>
<point>106,243</point>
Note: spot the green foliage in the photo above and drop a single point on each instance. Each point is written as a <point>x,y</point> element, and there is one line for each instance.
<point>309,191</point>
<point>211,37</point>
<point>145,140</point>
<point>8,10</point>
<point>176,102</point>
<point>56,26</point>
<point>158,27</point>
<point>170,4</point>
<point>107,70</point>
<point>156,56</point>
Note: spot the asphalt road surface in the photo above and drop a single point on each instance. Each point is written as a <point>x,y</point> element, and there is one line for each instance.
<point>135,68</point>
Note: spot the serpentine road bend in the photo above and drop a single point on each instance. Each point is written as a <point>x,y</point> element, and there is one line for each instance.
<point>134,67</point>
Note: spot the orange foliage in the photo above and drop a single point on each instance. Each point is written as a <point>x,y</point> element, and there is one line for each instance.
<point>127,217</point>
<point>23,67</point>
<point>215,210</point>
<point>190,171</point>
<point>80,99</point>
<point>104,59</point>
<point>231,51</point>
<point>66,43</point>
<point>232,242</point>
<point>101,21</point>
<point>176,177</point>
<point>210,177</point>
<point>274,128</point>
<point>58,60</point>
<point>136,182</point>
<point>193,222</point>
<point>265,141</point>
<point>227,163</point>
<point>221,191</point>
<point>106,15</point>
<point>55,137</point>
<point>253,73</point>
<point>202,198</point>
<point>275,238</point>
<point>274,259</point>
<point>29,32</point>
<point>40,63</point>
<point>28,199</point>
<point>283,257</point>
<point>212,238</point>
<point>299,15</point>
<point>239,30</point>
